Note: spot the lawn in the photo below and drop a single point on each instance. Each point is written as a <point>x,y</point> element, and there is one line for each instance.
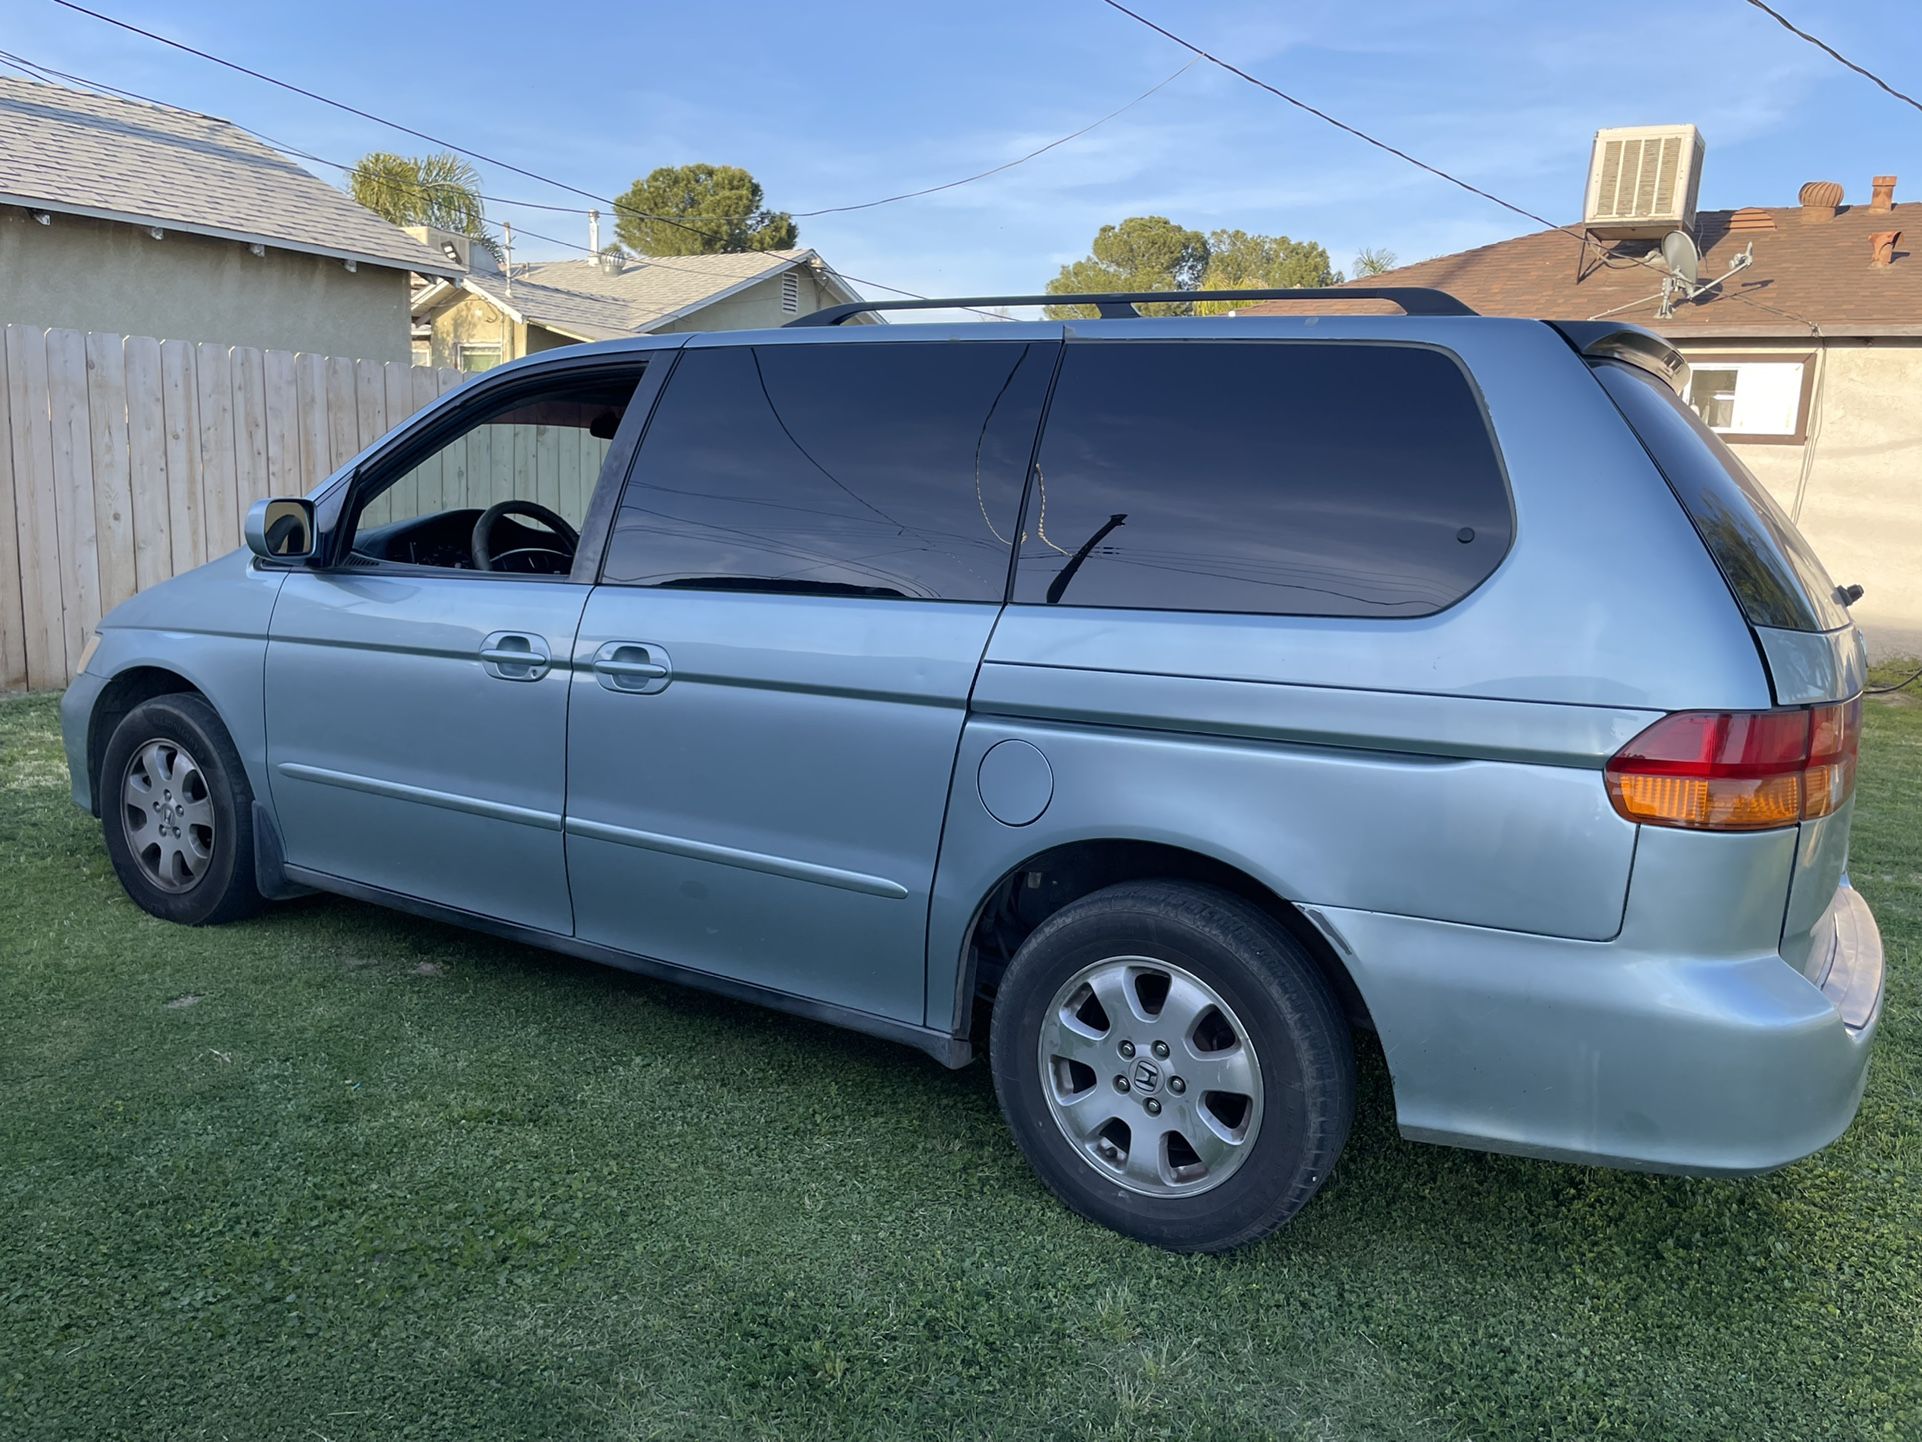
<point>341,1174</point>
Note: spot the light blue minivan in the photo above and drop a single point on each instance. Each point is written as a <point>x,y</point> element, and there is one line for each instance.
<point>1150,703</point>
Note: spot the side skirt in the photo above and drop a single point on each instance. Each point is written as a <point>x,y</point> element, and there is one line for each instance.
<point>950,1051</point>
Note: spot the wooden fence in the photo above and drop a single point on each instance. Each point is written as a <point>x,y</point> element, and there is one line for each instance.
<point>124,460</point>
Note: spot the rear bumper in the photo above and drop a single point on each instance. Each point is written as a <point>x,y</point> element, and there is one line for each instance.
<point>1608,1053</point>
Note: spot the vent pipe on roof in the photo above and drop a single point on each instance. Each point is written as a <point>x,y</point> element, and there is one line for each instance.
<point>1882,193</point>
<point>612,261</point>
<point>1820,198</point>
<point>1882,247</point>
<point>593,232</point>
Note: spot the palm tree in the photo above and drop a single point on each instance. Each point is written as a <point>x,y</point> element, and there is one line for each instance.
<point>441,190</point>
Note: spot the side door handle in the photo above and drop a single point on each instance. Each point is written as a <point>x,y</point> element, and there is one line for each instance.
<point>636,668</point>
<point>514,656</point>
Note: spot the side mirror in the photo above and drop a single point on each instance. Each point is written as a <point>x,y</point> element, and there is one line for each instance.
<point>282,529</point>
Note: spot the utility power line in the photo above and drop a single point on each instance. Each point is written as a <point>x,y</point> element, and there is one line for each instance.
<point>1319,114</point>
<point>1006,165</point>
<point>1580,238</point>
<point>588,194</point>
<point>1836,55</point>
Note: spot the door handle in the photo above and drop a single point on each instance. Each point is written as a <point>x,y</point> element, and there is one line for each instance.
<point>635,668</point>
<point>514,656</point>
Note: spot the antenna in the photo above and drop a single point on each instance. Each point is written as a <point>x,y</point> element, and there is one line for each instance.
<point>1680,256</point>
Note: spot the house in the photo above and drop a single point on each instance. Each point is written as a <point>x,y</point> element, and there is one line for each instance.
<point>482,318</point>
<point>1807,360</point>
<point>140,219</point>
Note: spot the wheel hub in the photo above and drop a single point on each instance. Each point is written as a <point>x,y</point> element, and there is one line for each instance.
<point>167,815</point>
<point>1150,1076</point>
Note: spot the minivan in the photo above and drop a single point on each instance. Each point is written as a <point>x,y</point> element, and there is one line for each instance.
<point>1149,703</point>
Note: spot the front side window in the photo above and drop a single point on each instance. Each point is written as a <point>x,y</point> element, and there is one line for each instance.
<point>1756,400</point>
<point>507,493</point>
<point>1287,478</point>
<point>890,469</point>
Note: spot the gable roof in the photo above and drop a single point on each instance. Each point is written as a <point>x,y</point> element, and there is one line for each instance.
<point>76,153</point>
<point>577,298</point>
<point>1808,274</point>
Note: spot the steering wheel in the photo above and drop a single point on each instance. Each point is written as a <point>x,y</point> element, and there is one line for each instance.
<point>487,559</point>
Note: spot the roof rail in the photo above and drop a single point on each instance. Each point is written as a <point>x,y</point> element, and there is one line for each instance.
<point>1120,305</point>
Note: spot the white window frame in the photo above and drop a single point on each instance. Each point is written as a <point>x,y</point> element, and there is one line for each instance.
<point>1746,429</point>
<point>479,347</point>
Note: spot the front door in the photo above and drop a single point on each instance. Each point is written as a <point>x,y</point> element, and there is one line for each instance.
<point>770,681</point>
<point>417,689</point>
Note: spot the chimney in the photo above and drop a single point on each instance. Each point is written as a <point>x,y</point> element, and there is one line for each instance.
<point>1882,193</point>
<point>594,232</point>
<point>1882,246</point>
<point>1819,200</point>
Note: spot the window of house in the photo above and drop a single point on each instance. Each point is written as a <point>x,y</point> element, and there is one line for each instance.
<point>1752,398</point>
<point>890,469</point>
<point>1307,479</point>
<point>470,356</point>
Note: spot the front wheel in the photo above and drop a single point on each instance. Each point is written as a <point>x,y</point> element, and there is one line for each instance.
<point>177,813</point>
<point>1173,1065</point>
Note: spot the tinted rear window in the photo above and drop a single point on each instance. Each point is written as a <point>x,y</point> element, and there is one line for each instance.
<point>1288,478</point>
<point>889,469</point>
<point>1775,576</point>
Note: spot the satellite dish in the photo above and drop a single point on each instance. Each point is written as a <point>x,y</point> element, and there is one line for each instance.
<point>1680,256</point>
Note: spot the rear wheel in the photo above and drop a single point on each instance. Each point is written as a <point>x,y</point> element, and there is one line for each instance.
<point>1173,1065</point>
<point>177,813</point>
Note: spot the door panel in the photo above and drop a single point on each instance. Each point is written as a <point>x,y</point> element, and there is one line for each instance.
<point>771,812</point>
<point>401,758</point>
<point>810,555</point>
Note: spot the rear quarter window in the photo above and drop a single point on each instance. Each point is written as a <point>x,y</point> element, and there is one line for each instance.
<point>1775,576</point>
<point>1285,478</point>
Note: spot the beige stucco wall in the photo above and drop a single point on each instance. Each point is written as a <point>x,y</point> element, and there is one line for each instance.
<point>756,308</point>
<point>475,320</point>
<point>1860,502</point>
<point>104,276</point>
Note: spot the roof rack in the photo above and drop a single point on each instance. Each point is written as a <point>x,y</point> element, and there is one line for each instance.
<point>1120,305</point>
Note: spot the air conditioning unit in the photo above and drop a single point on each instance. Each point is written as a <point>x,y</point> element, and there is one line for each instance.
<point>1643,180</point>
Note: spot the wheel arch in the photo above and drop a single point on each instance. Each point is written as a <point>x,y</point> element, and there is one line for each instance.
<point>125,690</point>
<point>1053,877</point>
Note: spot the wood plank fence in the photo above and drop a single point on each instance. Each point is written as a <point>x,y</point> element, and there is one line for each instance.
<point>124,460</point>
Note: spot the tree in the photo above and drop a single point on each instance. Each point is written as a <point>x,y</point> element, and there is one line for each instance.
<point>440,190</point>
<point>710,208</point>
<point>1373,261</point>
<point>1143,252</point>
<point>1240,261</point>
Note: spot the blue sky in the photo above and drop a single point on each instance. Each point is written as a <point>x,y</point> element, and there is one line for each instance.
<point>831,104</point>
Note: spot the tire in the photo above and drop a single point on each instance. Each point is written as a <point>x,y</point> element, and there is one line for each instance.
<point>197,868</point>
<point>1244,1010</point>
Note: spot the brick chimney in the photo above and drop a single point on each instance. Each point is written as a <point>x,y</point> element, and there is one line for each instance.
<point>1819,200</point>
<point>1882,246</point>
<point>1882,193</point>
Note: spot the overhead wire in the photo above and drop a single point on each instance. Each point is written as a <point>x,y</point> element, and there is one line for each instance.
<point>1836,55</point>
<point>43,72</point>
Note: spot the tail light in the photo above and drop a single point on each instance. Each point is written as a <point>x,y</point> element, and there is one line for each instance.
<point>1739,770</point>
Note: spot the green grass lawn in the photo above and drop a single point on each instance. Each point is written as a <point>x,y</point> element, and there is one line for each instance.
<point>341,1174</point>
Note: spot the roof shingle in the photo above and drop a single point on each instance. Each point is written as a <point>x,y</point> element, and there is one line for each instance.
<point>83,154</point>
<point>1807,273</point>
<point>579,299</point>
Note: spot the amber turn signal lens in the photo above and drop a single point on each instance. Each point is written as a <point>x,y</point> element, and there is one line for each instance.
<point>1738,770</point>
